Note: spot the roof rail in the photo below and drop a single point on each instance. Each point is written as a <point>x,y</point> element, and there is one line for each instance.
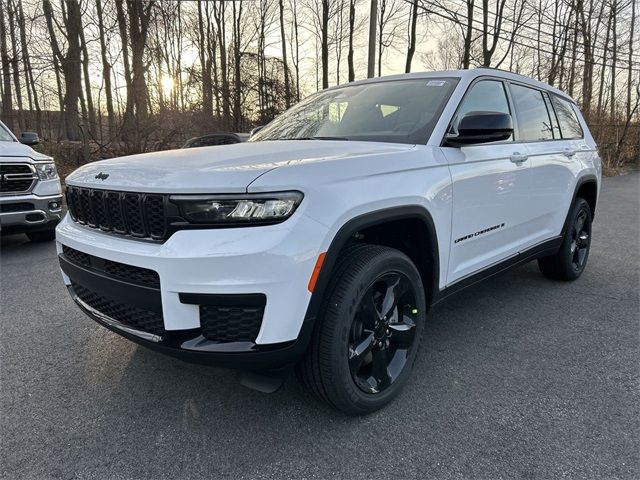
<point>499,69</point>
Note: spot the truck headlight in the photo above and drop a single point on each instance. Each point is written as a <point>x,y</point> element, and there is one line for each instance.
<point>238,209</point>
<point>46,171</point>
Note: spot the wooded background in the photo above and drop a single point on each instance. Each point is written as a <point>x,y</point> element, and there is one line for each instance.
<point>99,78</point>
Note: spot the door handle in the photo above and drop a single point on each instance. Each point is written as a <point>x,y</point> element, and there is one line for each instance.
<point>568,152</point>
<point>517,157</point>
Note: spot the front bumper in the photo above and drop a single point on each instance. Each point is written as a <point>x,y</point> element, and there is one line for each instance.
<point>28,213</point>
<point>273,261</point>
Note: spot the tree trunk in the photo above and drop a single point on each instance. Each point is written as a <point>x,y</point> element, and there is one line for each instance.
<point>603,68</point>
<point>128,115</point>
<point>87,85</point>
<point>297,49</point>
<point>237,61</point>
<point>69,63</point>
<point>631,57</point>
<point>287,86</point>
<point>219,15</point>
<point>15,65</point>
<point>139,17</point>
<point>466,53</point>
<point>325,44</point>
<point>352,22</point>
<point>205,65</point>
<point>106,71</point>
<point>7,97</point>
<point>614,58</point>
<point>412,36</point>
<point>32,94</point>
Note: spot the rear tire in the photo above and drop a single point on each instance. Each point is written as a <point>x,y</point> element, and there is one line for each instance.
<point>367,335</point>
<point>570,261</point>
<point>42,236</point>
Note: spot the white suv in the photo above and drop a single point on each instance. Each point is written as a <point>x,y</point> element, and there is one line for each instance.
<point>324,240</point>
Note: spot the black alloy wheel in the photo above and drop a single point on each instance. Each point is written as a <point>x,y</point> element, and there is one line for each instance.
<point>382,333</point>
<point>570,260</point>
<point>367,334</point>
<point>580,239</point>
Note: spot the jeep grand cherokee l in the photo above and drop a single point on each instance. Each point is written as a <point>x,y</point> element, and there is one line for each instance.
<point>324,240</point>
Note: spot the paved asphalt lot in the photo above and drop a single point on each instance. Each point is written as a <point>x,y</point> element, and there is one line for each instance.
<point>519,377</point>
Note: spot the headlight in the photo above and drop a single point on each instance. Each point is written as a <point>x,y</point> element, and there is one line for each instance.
<point>239,209</point>
<point>46,171</point>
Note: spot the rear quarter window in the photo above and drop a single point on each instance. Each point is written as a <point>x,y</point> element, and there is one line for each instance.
<point>567,118</point>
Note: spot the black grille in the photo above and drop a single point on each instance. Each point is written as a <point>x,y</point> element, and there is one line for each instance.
<point>142,276</point>
<point>137,214</point>
<point>15,177</point>
<point>230,324</point>
<point>14,168</point>
<point>128,315</point>
<point>128,273</point>
<point>76,256</point>
<point>16,207</point>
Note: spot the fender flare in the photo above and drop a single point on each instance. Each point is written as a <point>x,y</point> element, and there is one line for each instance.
<point>341,238</point>
<point>583,180</point>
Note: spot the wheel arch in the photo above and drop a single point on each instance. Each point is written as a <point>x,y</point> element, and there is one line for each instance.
<point>353,229</point>
<point>586,187</point>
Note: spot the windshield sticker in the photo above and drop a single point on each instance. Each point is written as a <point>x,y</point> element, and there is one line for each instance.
<point>436,83</point>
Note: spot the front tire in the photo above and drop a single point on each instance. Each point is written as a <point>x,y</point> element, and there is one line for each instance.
<point>367,335</point>
<point>571,260</point>
<point>42,236</point>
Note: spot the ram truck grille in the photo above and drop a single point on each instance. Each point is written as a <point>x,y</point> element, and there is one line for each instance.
<point>16,178</point>
<point>140,215</point>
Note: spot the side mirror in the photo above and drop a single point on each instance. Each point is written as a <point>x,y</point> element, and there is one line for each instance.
<point>482,127</point>
<point>256,130</point>
<point>29,138</point>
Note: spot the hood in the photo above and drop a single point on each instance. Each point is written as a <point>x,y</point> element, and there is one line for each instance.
<point>218,169</point>
<point>16,152</point>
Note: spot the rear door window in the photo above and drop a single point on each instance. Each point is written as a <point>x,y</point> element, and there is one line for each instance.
<point>534,123</point>
<point>569,124</point>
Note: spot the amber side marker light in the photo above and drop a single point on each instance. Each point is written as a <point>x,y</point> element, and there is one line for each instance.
<point>316,271</point>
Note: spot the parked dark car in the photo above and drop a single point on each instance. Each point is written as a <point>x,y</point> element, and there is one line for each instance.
<point>214,139</point>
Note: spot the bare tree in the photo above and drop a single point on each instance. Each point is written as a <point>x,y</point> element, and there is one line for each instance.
<point>283,40</point>
<point>411,49</point>
<point>219,11</point>
<point>7,97</point>
<point>15,64</point>
<point>352,24</point>
<point>69,62</point>
<point>106,69</point>
<point>325,43</point>
<point>206,64</point>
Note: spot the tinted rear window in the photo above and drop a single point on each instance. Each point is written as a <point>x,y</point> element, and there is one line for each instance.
<point>569,124</point>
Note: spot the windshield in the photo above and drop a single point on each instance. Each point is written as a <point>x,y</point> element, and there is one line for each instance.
<point>400,111</point>
<point>5,136</point>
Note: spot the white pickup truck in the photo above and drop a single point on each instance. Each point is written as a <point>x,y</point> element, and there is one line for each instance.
<point>323,240</point>
<point>30,192</point>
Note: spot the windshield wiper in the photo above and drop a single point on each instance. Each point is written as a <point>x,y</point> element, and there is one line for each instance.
<point>315,138</point>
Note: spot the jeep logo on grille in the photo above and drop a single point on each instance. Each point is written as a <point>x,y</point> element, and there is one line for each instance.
<point>102,176</point>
